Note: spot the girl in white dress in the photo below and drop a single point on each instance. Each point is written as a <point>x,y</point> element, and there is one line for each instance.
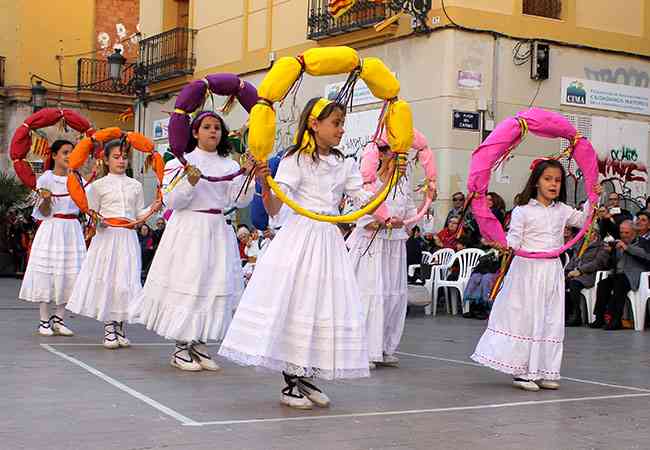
<point>301,312</point>
<point>58,249</point>
<point>525,333</point>
<point>109,279</point>
<point>191,287</point>
<point>379,263</point>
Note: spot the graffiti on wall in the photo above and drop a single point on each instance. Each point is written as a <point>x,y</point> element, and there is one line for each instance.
<point>120,38</point>
<point>630,76</point>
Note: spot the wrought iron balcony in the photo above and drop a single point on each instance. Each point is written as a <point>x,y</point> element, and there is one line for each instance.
<point>167,55</point>
<point>364,14</point>
<point>93,75</point>
<point>2,70</point>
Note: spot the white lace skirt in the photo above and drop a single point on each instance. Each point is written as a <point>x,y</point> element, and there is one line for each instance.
<point>191,284</point>
<point>525,333</point>
<point>57,253</point>
<point>381,273</point>
<point>301,311</point>
<point>109,279</point>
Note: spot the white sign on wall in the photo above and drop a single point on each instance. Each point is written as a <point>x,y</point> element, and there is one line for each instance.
<point>360,127</point>
<point>362,94</point>
<point>607,96</point>
<point>622,147</point>
<point>159,128</point>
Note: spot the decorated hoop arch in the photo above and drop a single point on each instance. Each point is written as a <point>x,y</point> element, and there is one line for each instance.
<point>330,61</point>
<point>423,154</point>
<point>192,97</point>
<point>504,139</point>
<point>83,150</point>
<point>21,142</point>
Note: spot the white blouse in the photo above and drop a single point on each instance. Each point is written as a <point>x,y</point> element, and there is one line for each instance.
<point>206,195</point>
<point>319,185</point>
<point>538,228</point>
<point>57,185</point>
<point>117,196</point>
<point>400,205</point>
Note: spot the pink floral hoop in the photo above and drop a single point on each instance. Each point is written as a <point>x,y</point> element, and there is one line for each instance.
<point>504,139</point>
<point>370,164</point>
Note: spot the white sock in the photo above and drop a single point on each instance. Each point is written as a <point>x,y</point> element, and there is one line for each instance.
<point>44,312</point>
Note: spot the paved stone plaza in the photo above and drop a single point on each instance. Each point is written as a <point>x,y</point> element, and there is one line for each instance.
<point>70,393</point>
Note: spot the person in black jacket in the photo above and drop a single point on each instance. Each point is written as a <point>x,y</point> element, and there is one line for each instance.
<point>580,274</point>
<point>631,257</point>
<point>611,216</point>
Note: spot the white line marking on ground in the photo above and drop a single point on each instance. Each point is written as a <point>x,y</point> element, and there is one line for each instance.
<point>132,392</point>
<point>576,380</point>
<point>142,344</point>
<point>420,411</point>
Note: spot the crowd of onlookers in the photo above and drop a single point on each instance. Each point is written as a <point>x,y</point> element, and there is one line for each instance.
<point>618,243</point>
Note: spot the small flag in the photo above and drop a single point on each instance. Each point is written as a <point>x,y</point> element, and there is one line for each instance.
<point>337,8</point>
<point>126,114</point>
<point>40,145</point>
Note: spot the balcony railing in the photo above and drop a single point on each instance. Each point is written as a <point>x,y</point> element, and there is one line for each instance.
<point>167,55</point>
<point>2,70</point>
<point>543,8</point>
<point>364,14</point>
<point>93,75</point>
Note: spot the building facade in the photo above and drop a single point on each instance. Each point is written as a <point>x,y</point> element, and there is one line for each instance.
<point>469,70</point>
<point>63,46</point>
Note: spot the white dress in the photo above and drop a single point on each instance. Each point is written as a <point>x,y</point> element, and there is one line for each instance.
<point>381,269</point>
<point>109,279</point>
<point>301,312</point>
<point>192,286</point>
<point>525,333</point>
<point>58,250</point>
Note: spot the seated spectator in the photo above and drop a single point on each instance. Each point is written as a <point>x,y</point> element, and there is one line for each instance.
<point>446,238</point>
<point>643,224</point>
<point>479,286</point>
<point>414,246</point>
<point>631,257</point>
<point>252,248</point>
<point>580,273</point>
<point>647,204</point>
<point>611,216</point>
<point>243,235</point>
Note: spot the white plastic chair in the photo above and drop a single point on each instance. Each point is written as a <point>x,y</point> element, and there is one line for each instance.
<point>439,264</point>
<point>639,301</point>
<point>590,294</point>
<point>467,260</point>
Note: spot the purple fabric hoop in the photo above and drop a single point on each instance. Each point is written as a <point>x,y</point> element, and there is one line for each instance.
<point>191,97</point>
<point>541,123</point>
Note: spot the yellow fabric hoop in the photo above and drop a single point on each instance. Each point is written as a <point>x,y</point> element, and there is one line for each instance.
<point>350,217</point>
<point>329,61</point>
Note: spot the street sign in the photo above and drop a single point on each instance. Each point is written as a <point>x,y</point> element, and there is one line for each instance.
<point>466,120</point>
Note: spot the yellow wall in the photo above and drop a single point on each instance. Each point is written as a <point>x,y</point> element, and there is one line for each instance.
<point>35,32</point>
<point>239,35</point>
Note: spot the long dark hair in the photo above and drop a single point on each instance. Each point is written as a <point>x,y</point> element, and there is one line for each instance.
<point>54,149</point>
<point>223,147</point>
<point>530,190</point>
<point>303,126</point>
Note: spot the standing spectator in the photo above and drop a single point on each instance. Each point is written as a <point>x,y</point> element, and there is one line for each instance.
<point>146,239</point>
<point>611,216</point>
<point>497,205</point>
<point>643,224</point>
<point>647,204</point>
<point>14,232</point>
<point>158,232</point>
<point>580,273</point>
<point>631,258</point>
